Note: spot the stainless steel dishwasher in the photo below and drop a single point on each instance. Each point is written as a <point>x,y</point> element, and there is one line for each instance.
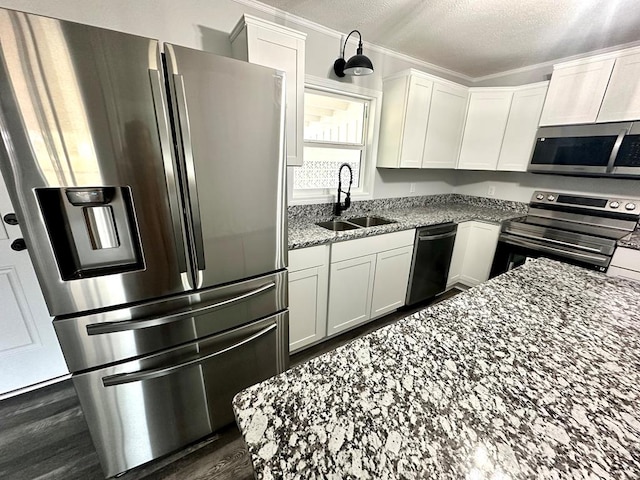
<point>432,250</point>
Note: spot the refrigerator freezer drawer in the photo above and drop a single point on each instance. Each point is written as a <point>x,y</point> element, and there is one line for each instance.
<point>146,408</point>
<point>96,339</point>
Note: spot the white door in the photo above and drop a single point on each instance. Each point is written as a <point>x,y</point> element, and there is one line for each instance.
<point>350,292</point>
<point>484,129</point>
<point>307,306</point>
<point>444,131</point>
<point>391,279</point>
<point>481,247</point>
<point>459,250</point>
<point>520,134</point>
<point>29,350</point>
<point>576,93</point>
<point>622,99</point>
<point>415,122</point>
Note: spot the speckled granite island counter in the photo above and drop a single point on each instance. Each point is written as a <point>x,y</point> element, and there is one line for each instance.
<point>534,374</point>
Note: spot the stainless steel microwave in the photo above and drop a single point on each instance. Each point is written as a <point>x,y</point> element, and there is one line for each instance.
<point>607,149</point>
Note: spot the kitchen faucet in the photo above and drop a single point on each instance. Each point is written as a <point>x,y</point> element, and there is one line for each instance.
<point>339,208</point>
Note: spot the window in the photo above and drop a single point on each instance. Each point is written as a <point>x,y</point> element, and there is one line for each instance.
<point>337,130</point>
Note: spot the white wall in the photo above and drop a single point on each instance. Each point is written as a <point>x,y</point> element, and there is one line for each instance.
<point>520,186</point>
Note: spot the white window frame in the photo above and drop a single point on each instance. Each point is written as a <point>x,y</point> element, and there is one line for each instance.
<point>368,163</point>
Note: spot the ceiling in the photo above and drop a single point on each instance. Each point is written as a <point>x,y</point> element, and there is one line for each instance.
<point>479,37</point>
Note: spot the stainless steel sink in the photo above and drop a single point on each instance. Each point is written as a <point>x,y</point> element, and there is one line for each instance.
<point>370,221</point>
<point>337,225</point>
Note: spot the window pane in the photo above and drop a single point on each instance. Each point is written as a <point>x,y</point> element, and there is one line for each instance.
<point>320,168</point>
<point>329,118</point>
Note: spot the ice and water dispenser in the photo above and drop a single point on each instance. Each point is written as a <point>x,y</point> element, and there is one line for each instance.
<point>93,230</point>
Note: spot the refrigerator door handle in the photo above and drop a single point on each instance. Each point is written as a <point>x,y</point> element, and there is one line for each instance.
<point>194,206</point>
<point>141,376</point>
<point>128,325</point>
<point>170,168</point>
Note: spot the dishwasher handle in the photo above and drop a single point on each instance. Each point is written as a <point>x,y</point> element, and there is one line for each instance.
<point>422,238</point>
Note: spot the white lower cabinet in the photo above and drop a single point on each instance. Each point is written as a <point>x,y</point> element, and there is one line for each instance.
<point>473,253</point>
<point>350,292</point>
<point>625,264</point>
<point>390,281</point>
<point>368,278</point>
<point>308,287</point>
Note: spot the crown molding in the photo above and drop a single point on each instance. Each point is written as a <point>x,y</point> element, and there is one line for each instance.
<point>288,17</point>
<point>303,22</point>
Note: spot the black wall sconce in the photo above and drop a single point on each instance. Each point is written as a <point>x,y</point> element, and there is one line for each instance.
<point>359,64</point>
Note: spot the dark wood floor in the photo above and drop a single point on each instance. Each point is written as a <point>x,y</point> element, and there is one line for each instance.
<point>44,436</point>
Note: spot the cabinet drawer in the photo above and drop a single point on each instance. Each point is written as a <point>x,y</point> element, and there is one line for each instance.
<point>626,258</point>
<point>310,257</point>
<point>371,245</point>
<point>624,273</point>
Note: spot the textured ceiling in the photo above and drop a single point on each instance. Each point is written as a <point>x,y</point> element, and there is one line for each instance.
<point>479,37</point>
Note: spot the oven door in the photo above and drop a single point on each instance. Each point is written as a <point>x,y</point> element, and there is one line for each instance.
<point>513,251</point>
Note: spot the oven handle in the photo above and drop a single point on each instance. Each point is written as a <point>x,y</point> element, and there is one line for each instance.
<point>599,260</point>
<point>120,378</point>
<point>559,242</point>
<point>126,325</point>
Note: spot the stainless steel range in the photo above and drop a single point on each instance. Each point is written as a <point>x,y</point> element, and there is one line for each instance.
<point>577,229</point>
<point>151,192</point>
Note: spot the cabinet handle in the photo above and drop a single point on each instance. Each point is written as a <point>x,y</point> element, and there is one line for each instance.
<point>18,245</point>
<point>11,219</point>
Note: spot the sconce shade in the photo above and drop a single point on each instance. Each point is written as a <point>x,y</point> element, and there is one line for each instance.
<point>357,65</point>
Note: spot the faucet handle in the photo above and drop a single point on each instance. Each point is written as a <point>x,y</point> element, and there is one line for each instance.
<point>347,200</point>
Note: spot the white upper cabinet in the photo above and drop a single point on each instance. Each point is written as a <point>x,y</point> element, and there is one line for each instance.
<point>522,125</point>
<point>422,119</point>
<point>444,131</point>
<point>403,126</point>
<point>484,129</point>
<point>264,43</point>
<point>576,92</point>
<point>622,98</point>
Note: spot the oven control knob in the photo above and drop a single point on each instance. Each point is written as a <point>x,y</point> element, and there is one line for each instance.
<point>614,204</point>
<point>630,206</point>
<point>551,198</point>
<point>540,197</point>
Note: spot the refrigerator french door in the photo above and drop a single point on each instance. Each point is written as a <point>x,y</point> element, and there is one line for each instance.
<point>150,188</point>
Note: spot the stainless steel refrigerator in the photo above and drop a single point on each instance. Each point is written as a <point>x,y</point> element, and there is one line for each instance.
<point>150,189</point>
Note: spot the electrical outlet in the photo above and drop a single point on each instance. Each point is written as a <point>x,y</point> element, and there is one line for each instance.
<point>492,191</point>
<point>412,188</point>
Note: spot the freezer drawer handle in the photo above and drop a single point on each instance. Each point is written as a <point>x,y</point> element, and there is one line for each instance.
<point>126,325</point>
<point>121,378</point>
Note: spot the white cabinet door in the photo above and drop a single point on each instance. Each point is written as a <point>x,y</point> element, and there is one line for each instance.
<point>264,43</point>
<point>29,349</point>
<point>459,250</point>
<point>444,130</point>
<point>307,306</point>
<point>622,98</point>
<point>484,129</point>
<point>391,278</point>
<point>481,247</point>
<point>415,123</point>
<point>624,273</point>
<point>576,93</point>
<point>350,293</point>
<point>522,125</point>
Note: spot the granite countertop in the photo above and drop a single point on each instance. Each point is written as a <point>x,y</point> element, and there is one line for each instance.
<point>303,231</point>
<point>631,241</point>
<point>534,374</point>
